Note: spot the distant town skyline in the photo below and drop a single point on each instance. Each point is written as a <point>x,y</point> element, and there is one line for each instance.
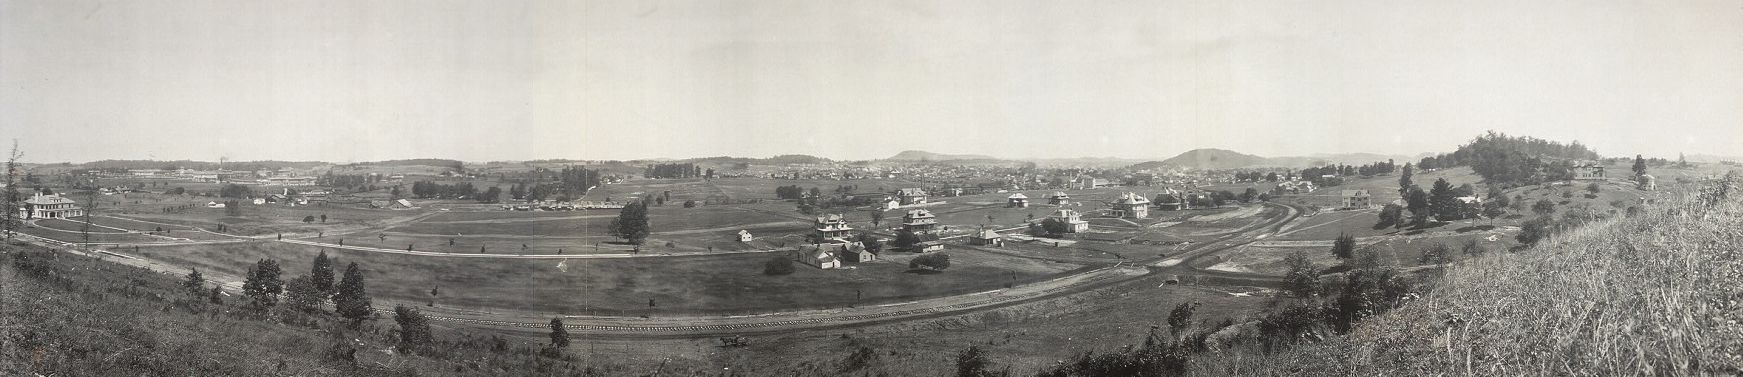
<point>344,81</point>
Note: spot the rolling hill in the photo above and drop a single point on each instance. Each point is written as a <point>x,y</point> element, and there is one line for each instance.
<point>913,155</point>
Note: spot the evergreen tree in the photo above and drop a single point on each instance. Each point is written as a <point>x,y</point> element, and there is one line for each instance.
<point>414,329</point>
<point>1404,182</point>
<point>217,296</point>
<point>559,334</point>
<point>352,300</point>
<point>301,294</point>
<point>195,285</point>
<point>1443,201</point>
<point>322,273</point>
<point>263,285</point>
<point>1639,165</point>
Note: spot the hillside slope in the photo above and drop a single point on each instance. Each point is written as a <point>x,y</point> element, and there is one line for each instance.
<point>1657,293</point>
<point>1206,159</point>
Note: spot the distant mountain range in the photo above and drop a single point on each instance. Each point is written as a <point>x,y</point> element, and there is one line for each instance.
<point>912,155</point>
<point>1211,158</point>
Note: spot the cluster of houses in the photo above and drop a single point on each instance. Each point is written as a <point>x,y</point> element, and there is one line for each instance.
<point>553,205</point>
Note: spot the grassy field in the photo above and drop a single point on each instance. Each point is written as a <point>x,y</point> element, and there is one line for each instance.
<point>1648,294</point>
<point>699,284</point>
<point>75,225</point>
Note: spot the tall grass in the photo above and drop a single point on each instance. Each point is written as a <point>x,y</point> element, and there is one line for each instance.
<point>1659,293</point>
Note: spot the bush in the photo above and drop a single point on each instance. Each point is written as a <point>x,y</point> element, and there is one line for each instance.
<point>935,262</point>
<point>778,265</point>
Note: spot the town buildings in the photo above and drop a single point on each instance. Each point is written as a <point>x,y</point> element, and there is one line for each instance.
<point>1132,205</point>
<point>1017,200</point>
<point>1073,221</point>
<point>1356,199</point>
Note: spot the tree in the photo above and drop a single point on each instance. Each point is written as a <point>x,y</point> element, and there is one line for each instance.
<point>1496,194</point>
<point>1180,317</point>
<point>935,262</point>
<point>195,285</point>
<point>1302,280</point>
<point>1443,203</point>
<point>1593,187</point>
<point>778,265</point>
<point>301,294</point>
<point>871,243</point>
<point>905,239</point>
<point>1639,165</point>
<point>12,197</point>
<point>1344,247</point>
<point>877,217</point>
<point>217,296</point>
<point>1417,202</point>
<point>1533,230</point>
<point>1249,195</point>
<point>1544,207</point>
<point>352,299</point>
<point>414,329</point>
<point>559,334</point>
<point>1494,209</point>
<point>308,219</point>
<point>1390,215</point>
<point>1404,182</point>
<point>632,223</point>
<point>321,273</point>
<point>689,204</point>
<point>262,285</point>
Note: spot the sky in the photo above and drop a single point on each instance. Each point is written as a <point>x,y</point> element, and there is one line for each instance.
<point>345,81</point>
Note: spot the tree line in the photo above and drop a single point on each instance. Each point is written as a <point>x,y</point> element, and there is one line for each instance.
<point>684,170</point>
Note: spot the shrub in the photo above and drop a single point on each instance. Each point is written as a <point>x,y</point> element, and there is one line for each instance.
<point>935,262</point>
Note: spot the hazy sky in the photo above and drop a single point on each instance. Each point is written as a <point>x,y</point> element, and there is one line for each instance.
<point>498,80</point>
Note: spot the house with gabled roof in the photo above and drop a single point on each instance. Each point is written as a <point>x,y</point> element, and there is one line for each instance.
<point>1132,205</point>
<point>1074,221</point>
<point>1017,200</point>
<point>832,226</point>
<point>911,196</point>
<point>987,237</point>
<point>1058,198</point>
<point>1354,199</point>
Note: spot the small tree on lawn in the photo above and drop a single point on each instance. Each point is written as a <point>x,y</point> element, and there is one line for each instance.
<point>778,265</point>
<point>1344,247</point>
<point>1302,280</point>
<point>935,262</point>
<point>352,300</point>
<point>217,296</point>
<point>414,329</point>
<point>308,219</point>
<point>559,334</point>
<point>1593,187</point>
<point>905,239</point>
<point>1493,210</point>
<point>877,217</point>
<point>195,285</point>
<point>632,223</point>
